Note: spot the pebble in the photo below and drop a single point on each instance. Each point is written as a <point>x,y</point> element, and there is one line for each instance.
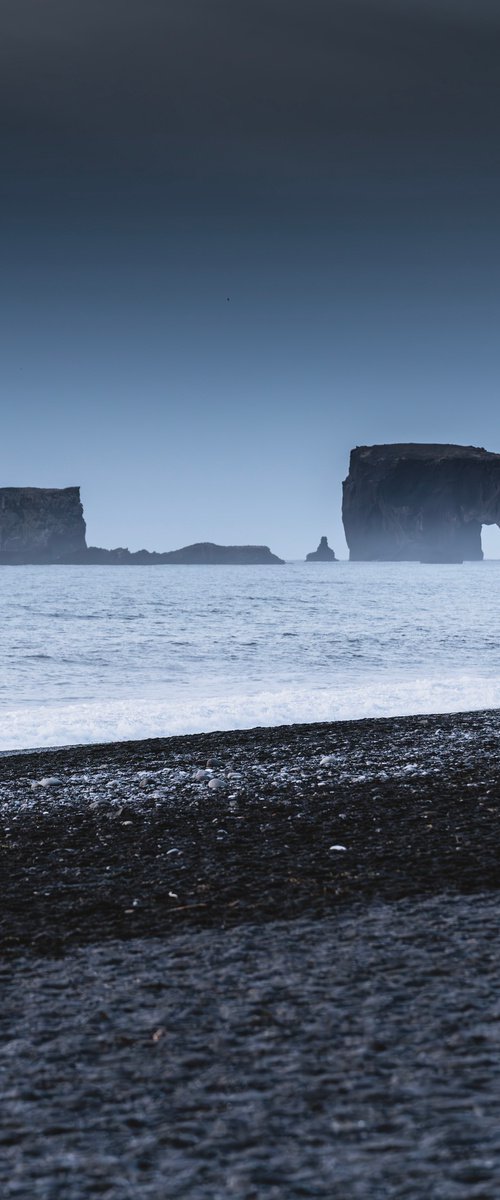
<point>216,784</point>
<point>338,847</point>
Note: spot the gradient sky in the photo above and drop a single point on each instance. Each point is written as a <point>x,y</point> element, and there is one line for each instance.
<point>239,237</point>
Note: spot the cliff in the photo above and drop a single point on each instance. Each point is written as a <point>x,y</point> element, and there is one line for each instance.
<point>322,554</point>
<point>420,502</point>
<point>40,524</point>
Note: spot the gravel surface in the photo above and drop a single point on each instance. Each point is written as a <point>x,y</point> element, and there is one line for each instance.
<point>355,1056</point>
<point>275,975</point>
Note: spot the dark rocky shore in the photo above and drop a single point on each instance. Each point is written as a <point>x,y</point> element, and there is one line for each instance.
<point>254,964</point>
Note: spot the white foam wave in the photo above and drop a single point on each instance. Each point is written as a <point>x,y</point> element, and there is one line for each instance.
<point>142,717</point>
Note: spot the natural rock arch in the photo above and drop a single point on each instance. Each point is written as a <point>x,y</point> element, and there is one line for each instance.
<point>420,502</point>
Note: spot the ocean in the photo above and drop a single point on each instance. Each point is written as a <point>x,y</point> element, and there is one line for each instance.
<point>95,654</point>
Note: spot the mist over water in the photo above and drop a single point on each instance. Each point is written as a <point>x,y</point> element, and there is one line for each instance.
<point>100,654</point>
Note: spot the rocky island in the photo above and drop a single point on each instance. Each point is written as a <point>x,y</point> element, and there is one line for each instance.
<point>420,502</point>
<point>46,525</point>
<point>204,553</point>
<point>324,553</point>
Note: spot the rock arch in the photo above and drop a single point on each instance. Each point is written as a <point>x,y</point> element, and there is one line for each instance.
<point>420,502</point>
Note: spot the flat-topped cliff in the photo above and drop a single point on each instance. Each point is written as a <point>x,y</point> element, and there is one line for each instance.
<point>418,501</point>
<point>40,524</point>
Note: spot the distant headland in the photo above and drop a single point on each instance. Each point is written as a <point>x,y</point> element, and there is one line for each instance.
<point>420,502</point>
<point>46,525</point>
<point>205,553</point>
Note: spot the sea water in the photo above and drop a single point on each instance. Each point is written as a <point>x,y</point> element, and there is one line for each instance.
<point>92,654</point>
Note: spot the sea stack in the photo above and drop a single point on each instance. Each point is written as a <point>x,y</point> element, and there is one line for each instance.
<point>322,554</point>
<point>420,502</point>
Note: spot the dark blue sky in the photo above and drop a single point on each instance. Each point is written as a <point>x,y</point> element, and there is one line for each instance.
<point>330,167</point>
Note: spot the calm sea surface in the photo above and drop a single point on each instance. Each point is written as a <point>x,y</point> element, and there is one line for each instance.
<point>106,653</point>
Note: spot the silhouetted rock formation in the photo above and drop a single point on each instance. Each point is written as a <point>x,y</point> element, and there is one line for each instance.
<point>46,525</point>
<point>200,552</point>
<point>420,502</point>
<point>322,554</point>
<point>40,524</point>
<point>208,552</point>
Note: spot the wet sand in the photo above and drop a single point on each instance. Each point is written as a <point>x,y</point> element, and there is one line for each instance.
<point>273,975</point>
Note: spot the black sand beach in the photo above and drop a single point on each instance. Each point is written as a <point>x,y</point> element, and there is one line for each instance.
<point>273,975</point>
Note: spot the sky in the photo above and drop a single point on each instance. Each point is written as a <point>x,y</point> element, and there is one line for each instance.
<point>238,238</point>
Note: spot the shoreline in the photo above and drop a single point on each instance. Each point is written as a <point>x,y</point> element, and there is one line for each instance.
<point>254,730</point>
<point>135,839</point>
